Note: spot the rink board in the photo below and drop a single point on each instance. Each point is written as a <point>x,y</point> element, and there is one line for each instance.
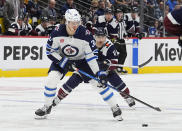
<point>166,55</point>
<point>27,73</point>
<point>26,56</point>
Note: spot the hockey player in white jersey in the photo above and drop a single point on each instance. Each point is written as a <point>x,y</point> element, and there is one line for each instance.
<point>70,43</point>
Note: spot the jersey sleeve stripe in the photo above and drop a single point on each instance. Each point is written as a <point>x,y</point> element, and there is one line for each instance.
<point>171,18</point>
<point>95,51</point>
<point>49,47</point>
<point>92,58</point>
<point>48,52</point>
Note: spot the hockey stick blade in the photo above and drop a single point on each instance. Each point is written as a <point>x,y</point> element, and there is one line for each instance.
<point>139,66</point>
<point>92,77</point>
<point>155,108</point>
<point>145,63</point>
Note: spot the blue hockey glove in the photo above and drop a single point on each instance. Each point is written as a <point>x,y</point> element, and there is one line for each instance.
<point>102,75</point>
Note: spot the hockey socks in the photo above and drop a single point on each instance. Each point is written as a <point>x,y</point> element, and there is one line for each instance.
<point>128,100</point>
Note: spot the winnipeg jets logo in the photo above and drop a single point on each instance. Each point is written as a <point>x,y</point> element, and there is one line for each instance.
<point>70,51</point>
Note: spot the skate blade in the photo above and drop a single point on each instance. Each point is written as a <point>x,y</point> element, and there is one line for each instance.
<point>118,118</point>
<point>40,117</point>
<point>132,107</point>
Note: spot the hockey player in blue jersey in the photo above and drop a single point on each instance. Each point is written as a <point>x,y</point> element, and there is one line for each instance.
<point>114,31</point>
<point>69,43</point>
<point>173,24</point>
<point>107,55</point>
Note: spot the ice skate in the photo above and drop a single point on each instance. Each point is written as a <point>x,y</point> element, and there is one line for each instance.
<point>42,113</point>
<point>117,113</point>
<point>130,102</point>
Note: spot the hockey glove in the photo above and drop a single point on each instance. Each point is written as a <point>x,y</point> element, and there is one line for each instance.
<point>104,65</point>
<point>180,41</point>
<point>102,75</point>
<point>70,67</point>
<point>64,63</point>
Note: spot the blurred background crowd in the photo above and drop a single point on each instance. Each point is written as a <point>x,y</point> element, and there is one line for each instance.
<point>39,17</point>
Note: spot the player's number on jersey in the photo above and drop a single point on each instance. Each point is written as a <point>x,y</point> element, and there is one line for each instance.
<point>115,53</point>
<point>93,43</point>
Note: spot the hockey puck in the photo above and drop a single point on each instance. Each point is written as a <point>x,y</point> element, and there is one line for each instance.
<point>144,125</point>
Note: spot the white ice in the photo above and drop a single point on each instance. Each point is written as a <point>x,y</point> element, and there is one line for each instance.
<point>84,110</point>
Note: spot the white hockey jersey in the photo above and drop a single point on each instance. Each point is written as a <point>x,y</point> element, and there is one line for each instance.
<point>77,47</point>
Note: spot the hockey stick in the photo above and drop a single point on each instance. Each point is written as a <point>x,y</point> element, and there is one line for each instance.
<point>145,63</point>
<point>92,77</point>
<point>120,65</point>
<point>139,66</point>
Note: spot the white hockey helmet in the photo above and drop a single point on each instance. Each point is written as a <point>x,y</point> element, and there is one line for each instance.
<point>72,15</point>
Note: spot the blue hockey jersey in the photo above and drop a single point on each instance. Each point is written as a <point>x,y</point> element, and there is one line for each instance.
<point>109,52</point>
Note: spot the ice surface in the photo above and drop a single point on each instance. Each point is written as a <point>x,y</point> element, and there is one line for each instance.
<point>84,110</point>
